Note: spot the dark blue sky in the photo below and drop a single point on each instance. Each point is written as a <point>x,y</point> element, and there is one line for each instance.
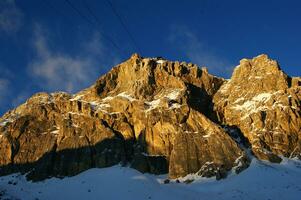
<point>48,45</point>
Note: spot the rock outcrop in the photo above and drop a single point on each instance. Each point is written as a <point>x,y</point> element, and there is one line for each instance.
<point>264,103</point>
<point>156,116</point>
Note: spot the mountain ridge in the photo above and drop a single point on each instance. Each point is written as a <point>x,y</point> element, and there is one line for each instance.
<point>157,116</point>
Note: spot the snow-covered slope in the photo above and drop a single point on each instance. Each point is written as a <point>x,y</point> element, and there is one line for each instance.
<point>261,180</point>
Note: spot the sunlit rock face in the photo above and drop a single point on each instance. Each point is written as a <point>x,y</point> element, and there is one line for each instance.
<point>156,116</point>
<point>264,103</point>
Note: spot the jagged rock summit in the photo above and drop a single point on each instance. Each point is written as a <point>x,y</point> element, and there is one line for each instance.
<point>264,103</point>
<point>157,116</point>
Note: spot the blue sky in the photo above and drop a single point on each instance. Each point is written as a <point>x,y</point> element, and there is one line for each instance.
<point>48,45</point>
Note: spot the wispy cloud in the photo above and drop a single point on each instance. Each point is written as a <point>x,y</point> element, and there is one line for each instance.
<point>186,41</point>
<point>11,17</point>
<point>6,78</point>
<point>54,70</point>
<point>4,89</point>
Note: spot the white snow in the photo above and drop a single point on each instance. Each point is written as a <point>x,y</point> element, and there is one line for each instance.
<point>153,155</point>
<point>238,162</point>
<point>74,113</point>
<point>209,133</point>
<point>153,104</point>
<point>5,121</point>
<point>175,105</point>
<point>173,95</point>
<point>93,105</point>
<point>261,180</point>
<point>253,105</point>
<point>225,87</point>
<point>239,100</point>
<point>99,106</point>
<point>257,103</point>
<point>108,98</point>
<point>76,97</point>
<point>55,132</point>
<point>126,96</point>
<point>248,105</point>
<point>105,105</point>
<point>122,94</point>
<point>160,61</point>
<point>256,77</point>
<point>263,97</point>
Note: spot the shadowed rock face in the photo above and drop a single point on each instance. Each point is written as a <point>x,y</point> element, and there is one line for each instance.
<point>154,115</point>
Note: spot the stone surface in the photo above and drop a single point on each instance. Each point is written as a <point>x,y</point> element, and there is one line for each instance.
<point>264,103</point>
<point>156,116</point>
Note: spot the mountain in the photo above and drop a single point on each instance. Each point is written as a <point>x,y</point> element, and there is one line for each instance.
<point>158,116</point>
<point>264,103</point>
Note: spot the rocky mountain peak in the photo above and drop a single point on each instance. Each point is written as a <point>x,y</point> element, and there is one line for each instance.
<point>135,56</point>
<point>262,73</point>
<point>157,116</point>
<point>261,62</point>
<point>261,101</point>
<point>145,78</point>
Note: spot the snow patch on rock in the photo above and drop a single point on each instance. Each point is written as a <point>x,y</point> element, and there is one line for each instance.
<point>76,97</point>
<point>152,104</point>
<point>126,96</point>
<point>122,95</point>
<point>256,104</point>
<point>263,97</point>
<point>173,95</point>
<point>6,121</point>
<point>99,106</point>
<point>170,94</point>
<point>160,61</point>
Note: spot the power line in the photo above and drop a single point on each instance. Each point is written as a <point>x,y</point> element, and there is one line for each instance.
<point>123,24</point>
<point>52,7</point>
<point>92,24</point>
<point>97,20</point>
<point>91,13</point>
<point>79,12</point>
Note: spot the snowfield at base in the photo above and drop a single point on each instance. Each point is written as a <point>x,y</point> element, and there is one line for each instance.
<point>261,180</point>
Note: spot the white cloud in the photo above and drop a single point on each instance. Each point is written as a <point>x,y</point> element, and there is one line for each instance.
<point>94,46</point>
<point>4,83</point>
<point>9,97</point>
<point>4,90</point>
<point>6,78</point>
<point>55,70</point>
<point>187,41</point>
<point>10,16</point>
